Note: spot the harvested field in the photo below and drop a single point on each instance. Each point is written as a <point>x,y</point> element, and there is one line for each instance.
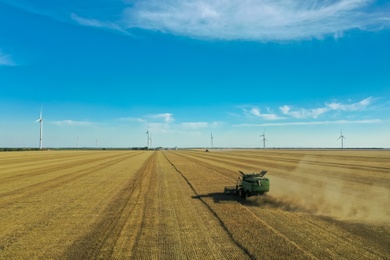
<point>170,205</point>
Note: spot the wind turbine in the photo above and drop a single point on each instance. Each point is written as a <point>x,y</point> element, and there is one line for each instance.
<point>263,139</point>
<point>341,137</point>
<point>150,139</point>
<point>147,138</point>
<point>40,120</point>
<point>212,139</point>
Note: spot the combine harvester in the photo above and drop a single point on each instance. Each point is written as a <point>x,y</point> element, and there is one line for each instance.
<point>249,184</point>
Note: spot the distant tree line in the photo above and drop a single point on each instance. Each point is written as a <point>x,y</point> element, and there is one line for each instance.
<point>6,149</point>
<point>18,149</point>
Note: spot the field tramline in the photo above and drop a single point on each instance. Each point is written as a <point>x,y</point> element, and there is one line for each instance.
<point>171,205</point>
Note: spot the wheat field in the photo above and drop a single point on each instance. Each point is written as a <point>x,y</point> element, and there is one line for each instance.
<point>331,204</point>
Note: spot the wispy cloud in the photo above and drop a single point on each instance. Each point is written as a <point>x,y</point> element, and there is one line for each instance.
<point>166,117</point>
<point>98,24</point>
<point>351,107</point>
<point>72,123</point>
<point>339,122</point>
<point>255,111</point>
<point>256,20</point>
<point>5,60</point>
<point>132,119</point>
<point>159,127</point>
<point>332,106</point>
<point>302,112</point>
<point>291,112</point>
<point>194,125</point>
<point>262,20</point>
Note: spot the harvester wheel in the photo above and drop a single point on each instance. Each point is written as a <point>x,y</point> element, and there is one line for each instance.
<point>242,193</point>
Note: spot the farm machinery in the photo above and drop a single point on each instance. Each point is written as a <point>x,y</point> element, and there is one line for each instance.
<point>249,184</point>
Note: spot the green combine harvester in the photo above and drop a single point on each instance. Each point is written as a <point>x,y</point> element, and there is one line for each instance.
<point>249,184</point>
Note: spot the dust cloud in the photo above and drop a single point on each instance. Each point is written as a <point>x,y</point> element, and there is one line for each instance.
<point>341,198</point>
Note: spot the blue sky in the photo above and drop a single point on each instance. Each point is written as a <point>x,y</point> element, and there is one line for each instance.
<point>102,70</point>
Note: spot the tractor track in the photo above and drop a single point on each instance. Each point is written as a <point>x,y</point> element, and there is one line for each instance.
<point>294,156</point>
<point>41,169</point>
<point>171,205</point>
<point>345,243</point>
<point>40,187</point>
<point>221,171</point>
<point>239,245</point>
<point>100,241</point>
<point>339,157</point>
<point>297,161</point>
<point>280,234</point>
<point>380,181</point>
<point>106,232</point>
<point>150,169</point>
<point>42,220</point>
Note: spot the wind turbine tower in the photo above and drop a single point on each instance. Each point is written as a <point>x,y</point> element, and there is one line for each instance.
<point>147,138</point>
<point>40,120</point>
<point>342,138</point>
<point>150,139</point>
<point>212,141</point>
<point>263,139</point>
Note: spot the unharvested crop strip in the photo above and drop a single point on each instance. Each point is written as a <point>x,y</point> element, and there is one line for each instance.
<point>310,162</point>
<point>216,168</point>
<point>239,245</point>
<point>197,159</point>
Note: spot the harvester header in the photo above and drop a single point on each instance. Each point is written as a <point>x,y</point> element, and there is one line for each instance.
<point>249,184</point>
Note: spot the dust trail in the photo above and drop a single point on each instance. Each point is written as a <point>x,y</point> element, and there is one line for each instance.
<point>342,198</point>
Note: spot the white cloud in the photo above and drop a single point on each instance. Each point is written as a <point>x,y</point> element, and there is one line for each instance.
<point>351,107</point>
<point>302,112</point>
<point>98,24</point>
<point>255,111</point>
<point>334,106</point>
<point>194,125</point>
<point>257,20</point>
<point>5,59</point>
<point>151,120</point>
<point>287,111</point>
<point>132,119</point>
<point>72,123</point>
<point>159,127</point>
<point>369,121</point>
<point>264,20</point>
<point>167,117</point>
